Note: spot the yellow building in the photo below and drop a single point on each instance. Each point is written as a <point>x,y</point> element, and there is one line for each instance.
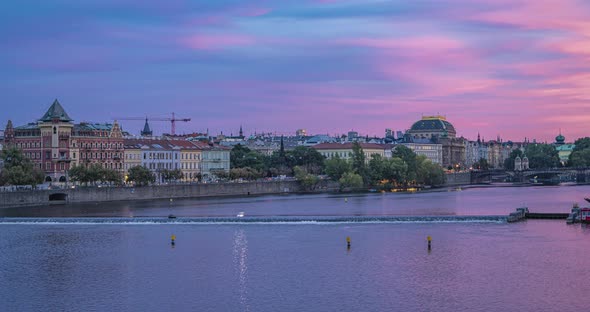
<point>190,159</point>
<point>131,155</point>
<point>344,151</point>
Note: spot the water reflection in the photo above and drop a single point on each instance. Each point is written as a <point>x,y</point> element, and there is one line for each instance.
<point>240,252</point>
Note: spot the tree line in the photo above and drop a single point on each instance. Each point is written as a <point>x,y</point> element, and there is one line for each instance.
<point>404,169</point>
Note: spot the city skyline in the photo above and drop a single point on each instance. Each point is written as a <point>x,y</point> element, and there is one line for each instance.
<point>510,68</point>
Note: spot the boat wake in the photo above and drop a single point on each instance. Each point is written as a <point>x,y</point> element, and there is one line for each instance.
<point>283,220</point>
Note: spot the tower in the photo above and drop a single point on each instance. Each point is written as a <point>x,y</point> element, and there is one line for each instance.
<point>146,129</point>
<point>9,133</point>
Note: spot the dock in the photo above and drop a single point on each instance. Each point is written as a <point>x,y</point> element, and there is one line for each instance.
<point>536,215</point>
<point>522,214</point>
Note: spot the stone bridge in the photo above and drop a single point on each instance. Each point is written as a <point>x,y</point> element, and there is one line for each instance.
<point>569,174</point>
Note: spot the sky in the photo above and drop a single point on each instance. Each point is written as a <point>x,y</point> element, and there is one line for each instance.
<point>508,68</point>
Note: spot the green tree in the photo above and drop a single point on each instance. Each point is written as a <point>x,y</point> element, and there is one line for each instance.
<point>351,180</point>
<point>18,170</point>
<point>141,176</point>
<point>306,157</point>
<point>580,156</point>
<point>337,167</point>
<point>112,176</point>
<point>396,171</point>
<point>409,157</point>
<point>308,181</point>
<point>241,157</point>
<point>435,175</point>
<point>79,174</point>
<point>542,156</point>
<point>359,164</point>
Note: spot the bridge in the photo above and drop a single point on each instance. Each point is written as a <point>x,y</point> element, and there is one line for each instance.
<point>542,175</point>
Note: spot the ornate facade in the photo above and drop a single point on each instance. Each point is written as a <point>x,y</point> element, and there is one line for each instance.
<point>55,144</point>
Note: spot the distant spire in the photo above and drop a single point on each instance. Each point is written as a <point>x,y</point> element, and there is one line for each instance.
<point>478,138</point>
<point>241,132</point>
<point>146,129</point>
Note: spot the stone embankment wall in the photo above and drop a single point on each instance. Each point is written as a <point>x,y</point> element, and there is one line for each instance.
<point>459,178</point>
<point>95,194</point>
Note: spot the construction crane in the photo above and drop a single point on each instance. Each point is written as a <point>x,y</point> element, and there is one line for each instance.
<point>172,121</point>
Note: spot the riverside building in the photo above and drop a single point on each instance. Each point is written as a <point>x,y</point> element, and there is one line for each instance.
<point>55,144</point>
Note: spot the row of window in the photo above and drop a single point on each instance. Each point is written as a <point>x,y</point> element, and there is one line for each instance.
<point>190,156</point>
<point>99,155</point>
<point>160,155</point>
<point>153,166</point>
<point>99,145</point>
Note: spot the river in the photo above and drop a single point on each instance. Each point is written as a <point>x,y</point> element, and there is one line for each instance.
<point>294,257</point>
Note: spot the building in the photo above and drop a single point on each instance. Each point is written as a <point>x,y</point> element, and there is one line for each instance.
<point>344,150</point>
<point>214,158</point>
<point>155,154</point>
<point>431,151</point>
<point>301,132</point>
<point>430,127</point>
<point>54,143</point>
<point>190,159</point>
<point>563,149</point>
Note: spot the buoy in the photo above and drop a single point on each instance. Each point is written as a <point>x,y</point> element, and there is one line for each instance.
<point>345,199</point>
<point>171,200</point>
<point>429,239</point>
<point>348,242</point>
<point>172,239</point>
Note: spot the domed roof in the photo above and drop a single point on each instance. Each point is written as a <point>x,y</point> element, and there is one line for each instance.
<point>560,139</point>
<point>433,124</point>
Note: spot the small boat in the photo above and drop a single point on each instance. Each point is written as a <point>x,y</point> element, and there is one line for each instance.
<point>585,215</point>
<point>171,216</point>
<point>240,214</point>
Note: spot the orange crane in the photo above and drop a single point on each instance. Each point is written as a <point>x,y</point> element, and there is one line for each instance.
<point>172,121</point>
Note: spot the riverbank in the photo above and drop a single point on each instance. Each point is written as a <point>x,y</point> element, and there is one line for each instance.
<point>32,198</point>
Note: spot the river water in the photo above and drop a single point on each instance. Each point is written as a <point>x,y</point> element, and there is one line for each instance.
<point>289,253</point>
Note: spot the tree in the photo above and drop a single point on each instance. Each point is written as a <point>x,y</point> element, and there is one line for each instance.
<point>306,157</point>
<point>542,156</point>
<point>141,176</point>
<point>171,175</point>
<point>241,157</point>
<point>336,167</point>
<point>244,173</point>
<point>409,157</point>
<point>351,179</point>
<point>18,170</point>
<point>79,174</point>
<point>435,175</point>
<point>395,170</point>
<point>580,156</point>
<point>359,161</point>
<point>307,181</point>
<point>220,174</point>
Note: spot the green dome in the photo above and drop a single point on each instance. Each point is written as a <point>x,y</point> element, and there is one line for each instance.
<point>560,139</point>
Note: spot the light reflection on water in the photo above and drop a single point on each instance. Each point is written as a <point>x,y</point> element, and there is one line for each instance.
<point>240,253</point>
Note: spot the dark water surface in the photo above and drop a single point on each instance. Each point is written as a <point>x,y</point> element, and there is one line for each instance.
<point>476,264</point>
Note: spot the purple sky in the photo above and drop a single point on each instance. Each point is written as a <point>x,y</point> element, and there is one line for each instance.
<point>514,68</point>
